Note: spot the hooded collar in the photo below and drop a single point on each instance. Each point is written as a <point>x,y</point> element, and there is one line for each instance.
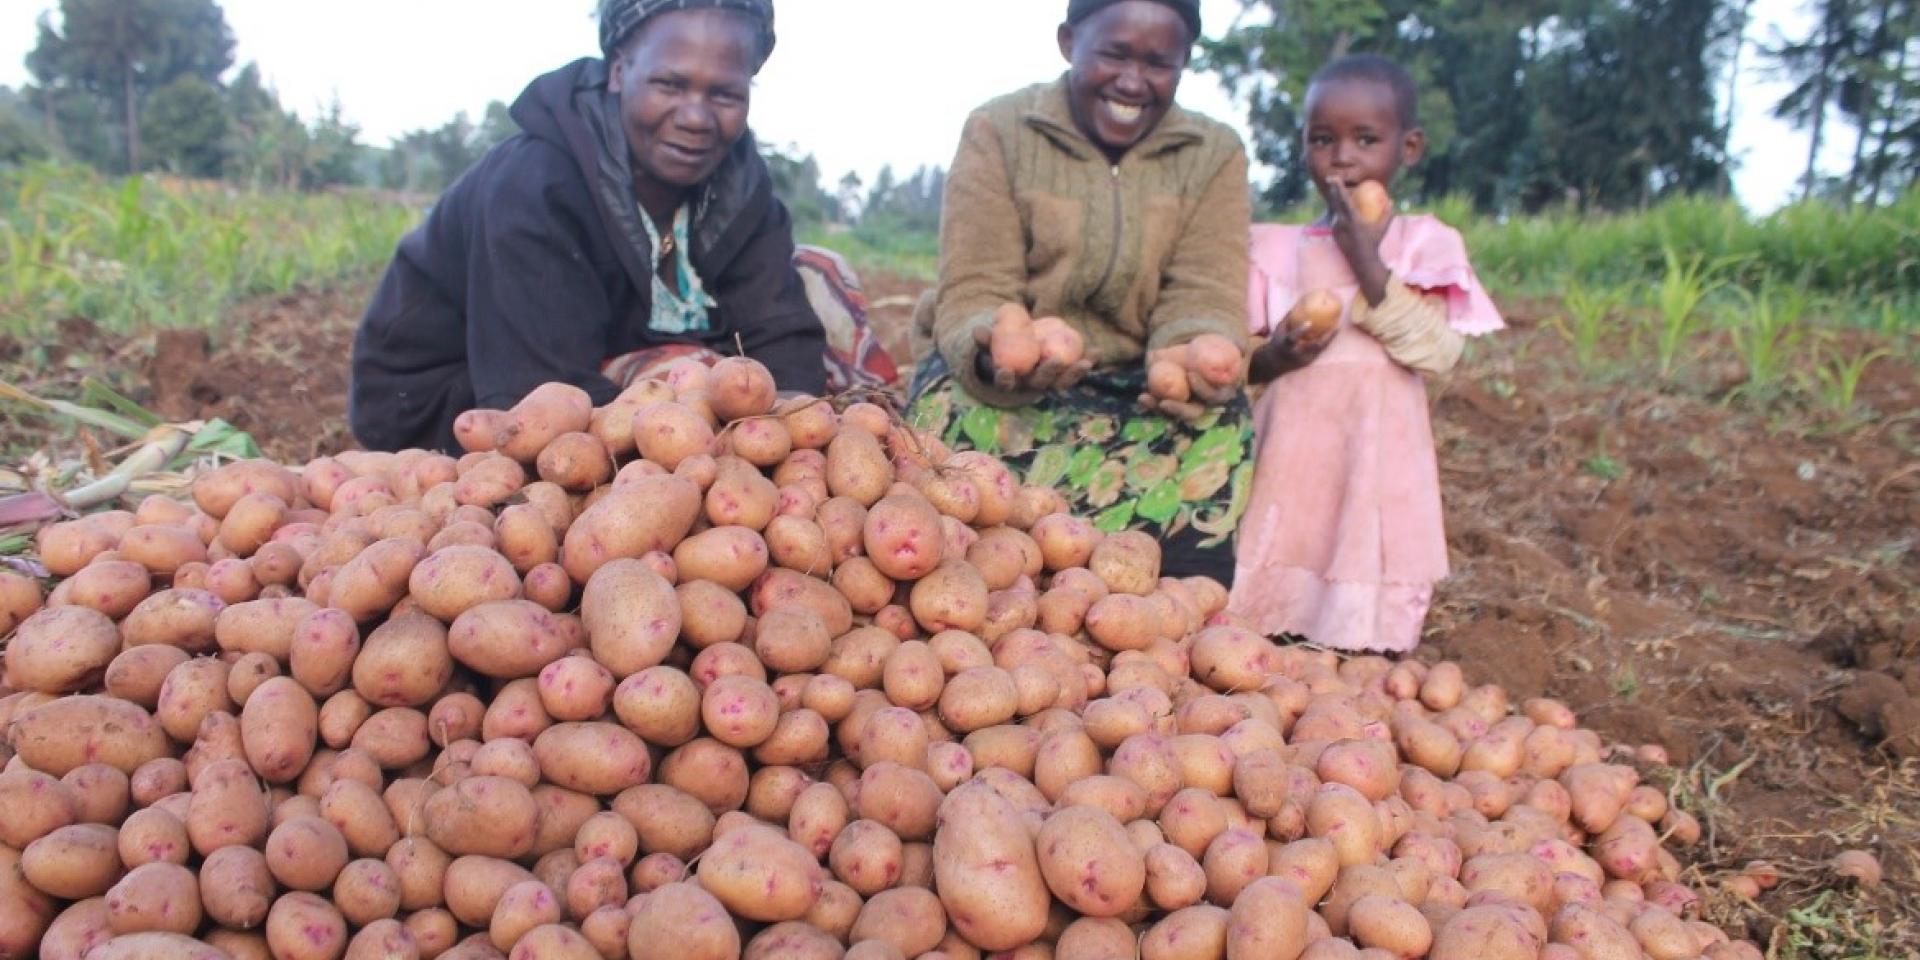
<point>573,109</point>
<point>1053,117</point>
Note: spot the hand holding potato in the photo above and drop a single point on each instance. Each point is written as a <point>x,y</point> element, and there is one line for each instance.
<point>1184,382</point>
<point>1019,353</point>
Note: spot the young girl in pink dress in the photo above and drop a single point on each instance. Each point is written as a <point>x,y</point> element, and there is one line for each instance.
<point>1343,541</point>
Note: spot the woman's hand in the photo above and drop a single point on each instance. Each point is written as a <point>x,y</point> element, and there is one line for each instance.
<point>1048,376</point>
<point>1201,394</point>
<point>1359,241</point>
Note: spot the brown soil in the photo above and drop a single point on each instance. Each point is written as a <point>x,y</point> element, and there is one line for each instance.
<point>1743,590</point>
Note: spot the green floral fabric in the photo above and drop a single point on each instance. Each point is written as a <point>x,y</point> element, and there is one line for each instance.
<point>1116,463</point>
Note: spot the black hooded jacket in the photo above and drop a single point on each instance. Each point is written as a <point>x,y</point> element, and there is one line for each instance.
<point>533,267</point>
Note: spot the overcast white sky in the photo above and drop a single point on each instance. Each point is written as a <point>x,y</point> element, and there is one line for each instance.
<point>859,83</point>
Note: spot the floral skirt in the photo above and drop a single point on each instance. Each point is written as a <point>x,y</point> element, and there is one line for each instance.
<point>1185,484</point>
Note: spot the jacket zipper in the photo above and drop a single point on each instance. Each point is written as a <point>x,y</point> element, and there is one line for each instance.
<point>1119,216</point>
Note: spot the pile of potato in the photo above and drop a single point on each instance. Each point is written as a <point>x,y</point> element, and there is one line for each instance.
<point>689,676</point>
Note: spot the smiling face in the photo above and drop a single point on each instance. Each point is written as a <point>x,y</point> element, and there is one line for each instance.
<point>684,83</point>
<point>1355,133</point>
<point>1126,65</point>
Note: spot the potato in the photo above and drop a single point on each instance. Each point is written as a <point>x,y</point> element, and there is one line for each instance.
<point>1389,924</point>
<point>731,556</point>
<point>650,514</point>
<point>302,926</point>
<point>1368,766</point>
<point>866,856</point>
<point>162,550</point>
<point>262,626</point>
<point>228,808</point>
<point>1088,862</point>
<point>176,618</point>
<point>474,885</point>
<point>156,946</point>
<point>137,674</point>
<point>155,898</point>
<point>511,639</point>
<point>78,929</point>
<point>455,579</point>
<point>631,615</point>
<point>152,835</point>
<point>74,862</point>
<point>522,907</point>
<point>62,650</point>
<point>1191,933</point>
<point>306,853</point>
<point>383,939</point>
<point>278,725</point>
<point>979,698</point>
<point>1269,919</point>
<point>70,732</point>
<point>595,758</point>
<point>482,816</point>
<point>1343,816</point>
<point>902,537</point>
<point>357,810</point>
<point>661,704</point>
<point>1094,939</point>
<point>688,917</point>
<point>778,588</point>
<point>668,820</point>
<point>760,874</point>
<point>986,870</point>
<point>910,919</point>
<point>1127,562</point>
<point>369,585</point>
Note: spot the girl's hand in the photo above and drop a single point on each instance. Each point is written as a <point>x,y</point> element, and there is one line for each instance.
<point>1359,241</point>
<point>1049,376</point>
<point>1293,347</point>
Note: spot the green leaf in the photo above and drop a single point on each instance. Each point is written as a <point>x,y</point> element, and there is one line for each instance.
<point>99,394</point>
<point>1143,431</point>
<point>15,545</point>
<point>1161,503</point>
<point>1086,460</point>
<point>1116,518</point>
<point>1049,465</point>
<point>1107,485</point>
<point>982,428</point>
<point>1146,469</point>
<point>223,438</point>
<point>1224,445</point>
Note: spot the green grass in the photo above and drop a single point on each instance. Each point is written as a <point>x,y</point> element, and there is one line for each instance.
<point>1859,267</point>
<point>908,255</point>
<point>139,253</point>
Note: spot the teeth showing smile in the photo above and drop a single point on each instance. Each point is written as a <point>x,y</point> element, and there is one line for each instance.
<point>1124,112</point>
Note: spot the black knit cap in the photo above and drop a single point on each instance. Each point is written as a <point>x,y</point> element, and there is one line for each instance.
<point>1189,10</point>
<point>620,18</point>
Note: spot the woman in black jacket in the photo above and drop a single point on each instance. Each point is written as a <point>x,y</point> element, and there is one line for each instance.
<point>633,217</point>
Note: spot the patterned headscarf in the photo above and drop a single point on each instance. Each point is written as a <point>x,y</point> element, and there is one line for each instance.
<point>620,18</point>
<point>1189,10</point>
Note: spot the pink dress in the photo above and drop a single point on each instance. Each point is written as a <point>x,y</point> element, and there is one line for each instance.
<point>1343,540</point>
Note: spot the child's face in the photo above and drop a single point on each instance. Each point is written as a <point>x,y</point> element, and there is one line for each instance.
<point>1354,134</point>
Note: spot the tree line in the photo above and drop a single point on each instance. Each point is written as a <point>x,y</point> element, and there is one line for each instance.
<point>152,85</point>
<point>1602,104</point>
<point>1598,104</point>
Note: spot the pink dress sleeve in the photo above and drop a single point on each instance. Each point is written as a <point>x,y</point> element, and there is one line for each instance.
<point>1432,257</point>
<point>1270,284</point>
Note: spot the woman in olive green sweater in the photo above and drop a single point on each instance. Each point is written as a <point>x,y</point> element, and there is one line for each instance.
<point>1096,199</point>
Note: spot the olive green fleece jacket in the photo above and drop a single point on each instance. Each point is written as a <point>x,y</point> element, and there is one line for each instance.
<point>1147,253</point>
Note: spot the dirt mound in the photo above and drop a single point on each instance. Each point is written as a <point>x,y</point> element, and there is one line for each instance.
<point>1743,591</point>
<point>281,376</point>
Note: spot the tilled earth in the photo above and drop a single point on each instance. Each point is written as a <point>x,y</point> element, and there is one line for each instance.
<point>1740,588</point>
